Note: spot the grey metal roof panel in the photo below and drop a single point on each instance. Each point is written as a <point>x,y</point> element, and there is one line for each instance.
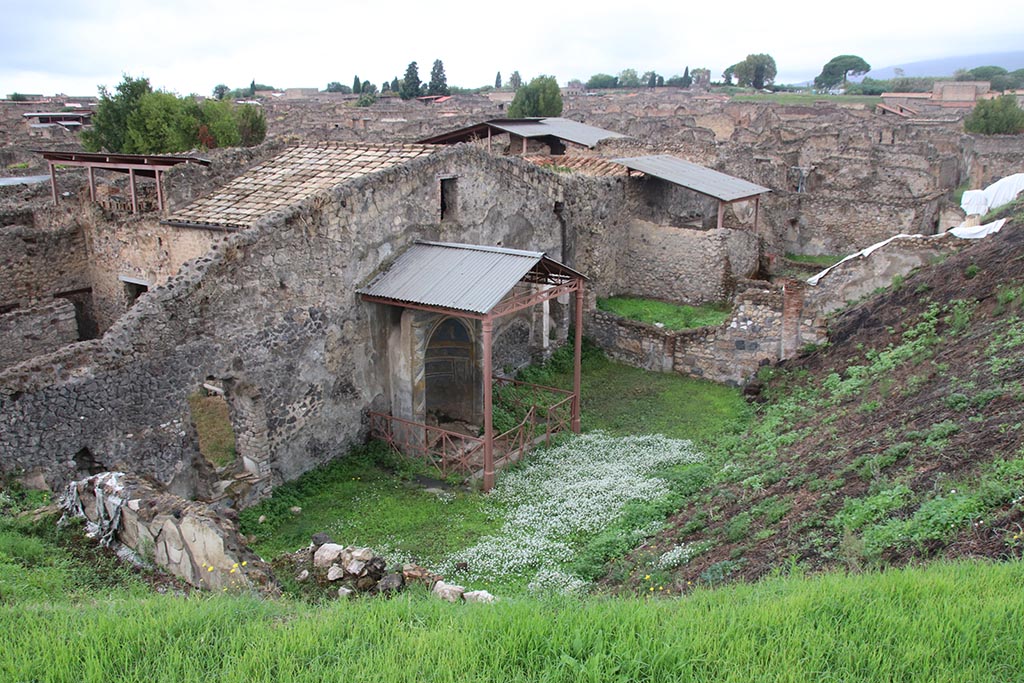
<point>564,129</point>
<point>694,177</point>
<point>455,276</point>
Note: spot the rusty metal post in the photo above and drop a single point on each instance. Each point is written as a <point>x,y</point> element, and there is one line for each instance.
<point>92,184</point>
<point>159,192</point>
<point>524,146</point>
<point>53,184</point>
<point>721,213</point>
<point>487,329</point>
<point>131,182</point>
<point>757,211</point>
<point>577,370</point>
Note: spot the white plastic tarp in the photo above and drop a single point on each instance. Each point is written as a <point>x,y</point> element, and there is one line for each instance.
<point>980,202</point>
<point>976,232</point>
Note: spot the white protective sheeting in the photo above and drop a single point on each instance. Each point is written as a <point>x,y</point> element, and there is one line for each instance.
<point>977,231</point>
<point>971,233</point>
<point>980,202</point>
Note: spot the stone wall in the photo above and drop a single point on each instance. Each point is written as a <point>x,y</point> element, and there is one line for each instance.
<point>858,277</point>
<point>29,332</point>
<point>992,157</point>
<point>272,314</point>
<point>768,322</point>
<point>681,264</point>
<point>44,254</point>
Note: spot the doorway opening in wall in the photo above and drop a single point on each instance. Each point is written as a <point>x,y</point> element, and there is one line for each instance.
<point>211,416</point>
<point>133,289</point>
<point>449,199</point>
<point>81,299</point>
<point>451,377</point>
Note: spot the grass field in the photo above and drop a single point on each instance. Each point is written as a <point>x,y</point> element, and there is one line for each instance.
<point>672,316</point>
<point>947,622</point>
<point>806,98</point>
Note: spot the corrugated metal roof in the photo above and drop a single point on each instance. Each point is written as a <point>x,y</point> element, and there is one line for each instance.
<point>462,277</point>
<point>694,177</point>
<point>563,129</point>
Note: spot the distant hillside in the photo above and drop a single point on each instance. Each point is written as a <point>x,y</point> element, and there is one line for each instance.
<point>947,65</point>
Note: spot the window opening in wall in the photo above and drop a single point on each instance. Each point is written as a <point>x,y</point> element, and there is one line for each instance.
<point>449,199</point>
<point>133,289</point>
<point>81,299</point>
<point>212,420</point>
<point>86,464</point>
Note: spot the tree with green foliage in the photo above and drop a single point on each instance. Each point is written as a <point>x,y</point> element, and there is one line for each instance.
<point>756,71</point>
<point>138,120</point>
<point>728,74</point>
<point>602,81</point>
<point>838,70</point>
<point>651,79</point>
<point>438,81</point>
<point>385,87</point>
<point>110,120</point>
<point>515,81</point>
<point>368,88</point>
<point>366,99</point>
<point>396,85</point>
<point>410,86</point>
<point>687,78</point>
<point>221,91</point>
<point>497,81</point>
<point>357,85</point>
<point>541,97</point>
<point>999,116</point>
<point>18,97</point>
<point>252,124</point>
<point>335,86</point>
<point>252,88</point>
<point>628,78</point>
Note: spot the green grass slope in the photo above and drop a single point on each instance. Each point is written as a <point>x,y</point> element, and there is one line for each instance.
<point>901,441</point>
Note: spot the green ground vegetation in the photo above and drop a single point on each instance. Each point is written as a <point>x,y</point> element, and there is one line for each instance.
<point>908,625</point>
<point>823,260</point>
<point>806,98</point>
<point>672,316</point>
<point>213,425</point>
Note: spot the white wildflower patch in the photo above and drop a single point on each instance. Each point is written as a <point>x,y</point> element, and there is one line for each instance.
<point>563,495</point>
<point>682,554</point>
<point>549,581</point>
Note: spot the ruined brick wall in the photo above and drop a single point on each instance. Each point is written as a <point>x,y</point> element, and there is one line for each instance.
<point>991,157</point>
<point>681,264</point>
<point>859,277</point>
<point>273,315</point>
<point>765,326</point>
<point>140,248</point>
<point>44,254</point>
<point>29,332</point>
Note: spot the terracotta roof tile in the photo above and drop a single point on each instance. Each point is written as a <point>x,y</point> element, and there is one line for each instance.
<point>292,176</point>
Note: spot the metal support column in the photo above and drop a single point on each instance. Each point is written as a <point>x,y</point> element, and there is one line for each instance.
<point>92,184</point>
<point>577,370</point>
<point>721,213</point>
<point>487,330</point>
<point>53,184</point>
<point>131,182</point>
<point>159,191</point>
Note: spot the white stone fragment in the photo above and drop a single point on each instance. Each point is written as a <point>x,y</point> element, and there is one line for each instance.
<point>326,555</point>
<point>303,575</point>
<point>478,596</point>
<point>335,573</point>
<point>344,592</point>
<point>448,591</point>
<point>362,554</point>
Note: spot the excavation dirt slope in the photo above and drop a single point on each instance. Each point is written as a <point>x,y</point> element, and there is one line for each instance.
<point>899,441</point>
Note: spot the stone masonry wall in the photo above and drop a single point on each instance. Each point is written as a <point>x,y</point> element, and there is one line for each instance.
<point>44,255</point>
<point>272,314</point>
<point>765,326</point>
<point>29,332</point>
<point>684,265</point>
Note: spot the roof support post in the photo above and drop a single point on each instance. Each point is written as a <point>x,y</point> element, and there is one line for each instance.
<point>53,184</point>
<point>131,182</point>
<point>524,146</point>
<point>577,359</point>
<point>757,211</point>
<point>92,184</point>
<point>721,213</point>
<point>487,329</point>
<point>488,138</point>
<point>159,191</point>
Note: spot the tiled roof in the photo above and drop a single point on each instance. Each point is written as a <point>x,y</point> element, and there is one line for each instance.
<point>290,177</point>
<point>591,166</point>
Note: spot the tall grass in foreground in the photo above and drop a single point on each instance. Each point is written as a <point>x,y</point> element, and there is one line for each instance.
<point>947,622</point>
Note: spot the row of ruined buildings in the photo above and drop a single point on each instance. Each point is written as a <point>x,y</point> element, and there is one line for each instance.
<point>317,285</point>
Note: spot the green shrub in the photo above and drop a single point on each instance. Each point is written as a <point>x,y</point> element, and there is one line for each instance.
<point>999,116</point>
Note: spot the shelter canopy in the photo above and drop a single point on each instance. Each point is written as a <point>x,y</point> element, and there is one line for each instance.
<point>706,181</point>
<point>462,277</point>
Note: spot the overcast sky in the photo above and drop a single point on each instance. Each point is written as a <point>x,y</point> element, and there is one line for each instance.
<point>190,46</point>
